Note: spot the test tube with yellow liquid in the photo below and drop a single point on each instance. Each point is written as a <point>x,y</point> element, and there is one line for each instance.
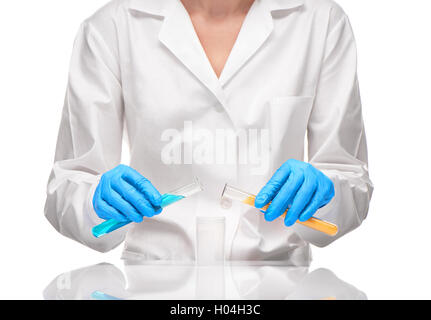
<point>231,193</point>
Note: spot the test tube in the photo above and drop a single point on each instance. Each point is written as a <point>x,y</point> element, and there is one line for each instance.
<point>231,193</point>
<point>167,199</point>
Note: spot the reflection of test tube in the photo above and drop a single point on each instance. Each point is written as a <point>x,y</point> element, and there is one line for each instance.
<point>167,199</point>
<point>231,193</point>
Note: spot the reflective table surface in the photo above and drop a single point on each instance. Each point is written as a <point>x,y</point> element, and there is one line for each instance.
<point>185,282</point>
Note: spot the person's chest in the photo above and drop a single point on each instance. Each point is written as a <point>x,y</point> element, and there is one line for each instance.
<point>217,37</point>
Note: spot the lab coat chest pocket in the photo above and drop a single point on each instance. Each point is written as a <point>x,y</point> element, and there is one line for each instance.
<point>288,119</point>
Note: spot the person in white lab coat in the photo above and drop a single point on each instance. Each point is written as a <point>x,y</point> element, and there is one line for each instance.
<point>228,91</point>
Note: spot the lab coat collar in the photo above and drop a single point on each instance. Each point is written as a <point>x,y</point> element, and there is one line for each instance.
<point>277,5</point>
<point>160,7</point>
<point>178,35</point>
<point>152,7</point>
<point>255,31</point>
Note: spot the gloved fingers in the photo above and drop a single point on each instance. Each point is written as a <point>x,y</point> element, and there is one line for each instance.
<point>302,199</point>
<point>135,198</point>
<point>107,212</point>
<point>115,200</point>
<point>285,196</point>
<point>325,201</point>
<point>314,205</point>
<point>143,185</point>
<point>139,201</point>
<point>104,210</point>
<point>330,192</point>
<point>324,193</point>
<point>270,190</point>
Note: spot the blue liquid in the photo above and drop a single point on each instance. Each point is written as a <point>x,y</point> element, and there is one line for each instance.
<point>111,225</point>
<point>98,295</point>
<point>168,199</point>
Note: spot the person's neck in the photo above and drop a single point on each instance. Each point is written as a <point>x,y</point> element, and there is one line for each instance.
<point>217,8</point>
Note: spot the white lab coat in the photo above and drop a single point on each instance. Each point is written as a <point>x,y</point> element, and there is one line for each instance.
<point>138,67</point>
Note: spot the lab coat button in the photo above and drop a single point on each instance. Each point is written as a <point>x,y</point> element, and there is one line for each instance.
<point>219,108</point>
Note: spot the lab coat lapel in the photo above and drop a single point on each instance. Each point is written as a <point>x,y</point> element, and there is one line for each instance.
<point>178,35</point>
<point>256,30</point>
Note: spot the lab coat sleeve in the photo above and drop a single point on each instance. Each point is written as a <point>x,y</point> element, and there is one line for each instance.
<point>89,141</point>
<point>336,136</point>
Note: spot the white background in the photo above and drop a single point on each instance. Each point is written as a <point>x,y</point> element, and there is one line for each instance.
<point>387,257</point>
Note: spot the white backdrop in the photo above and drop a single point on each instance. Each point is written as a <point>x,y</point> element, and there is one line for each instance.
<point>387,257</point>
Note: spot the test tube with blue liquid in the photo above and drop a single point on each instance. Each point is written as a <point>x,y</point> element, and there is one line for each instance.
<point>167,199</point>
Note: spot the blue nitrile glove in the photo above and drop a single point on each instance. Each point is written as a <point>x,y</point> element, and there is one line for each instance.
<point>296,186</point>
<point>124,194</point>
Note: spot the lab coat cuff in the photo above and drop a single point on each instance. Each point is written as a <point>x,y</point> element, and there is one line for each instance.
<point>89,209</point>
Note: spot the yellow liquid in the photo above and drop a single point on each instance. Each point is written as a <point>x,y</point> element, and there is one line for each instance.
<point>313,223</point>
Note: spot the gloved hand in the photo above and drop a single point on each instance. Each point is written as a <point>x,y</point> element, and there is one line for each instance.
<point>124,194</point>
<point>296,186</point>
